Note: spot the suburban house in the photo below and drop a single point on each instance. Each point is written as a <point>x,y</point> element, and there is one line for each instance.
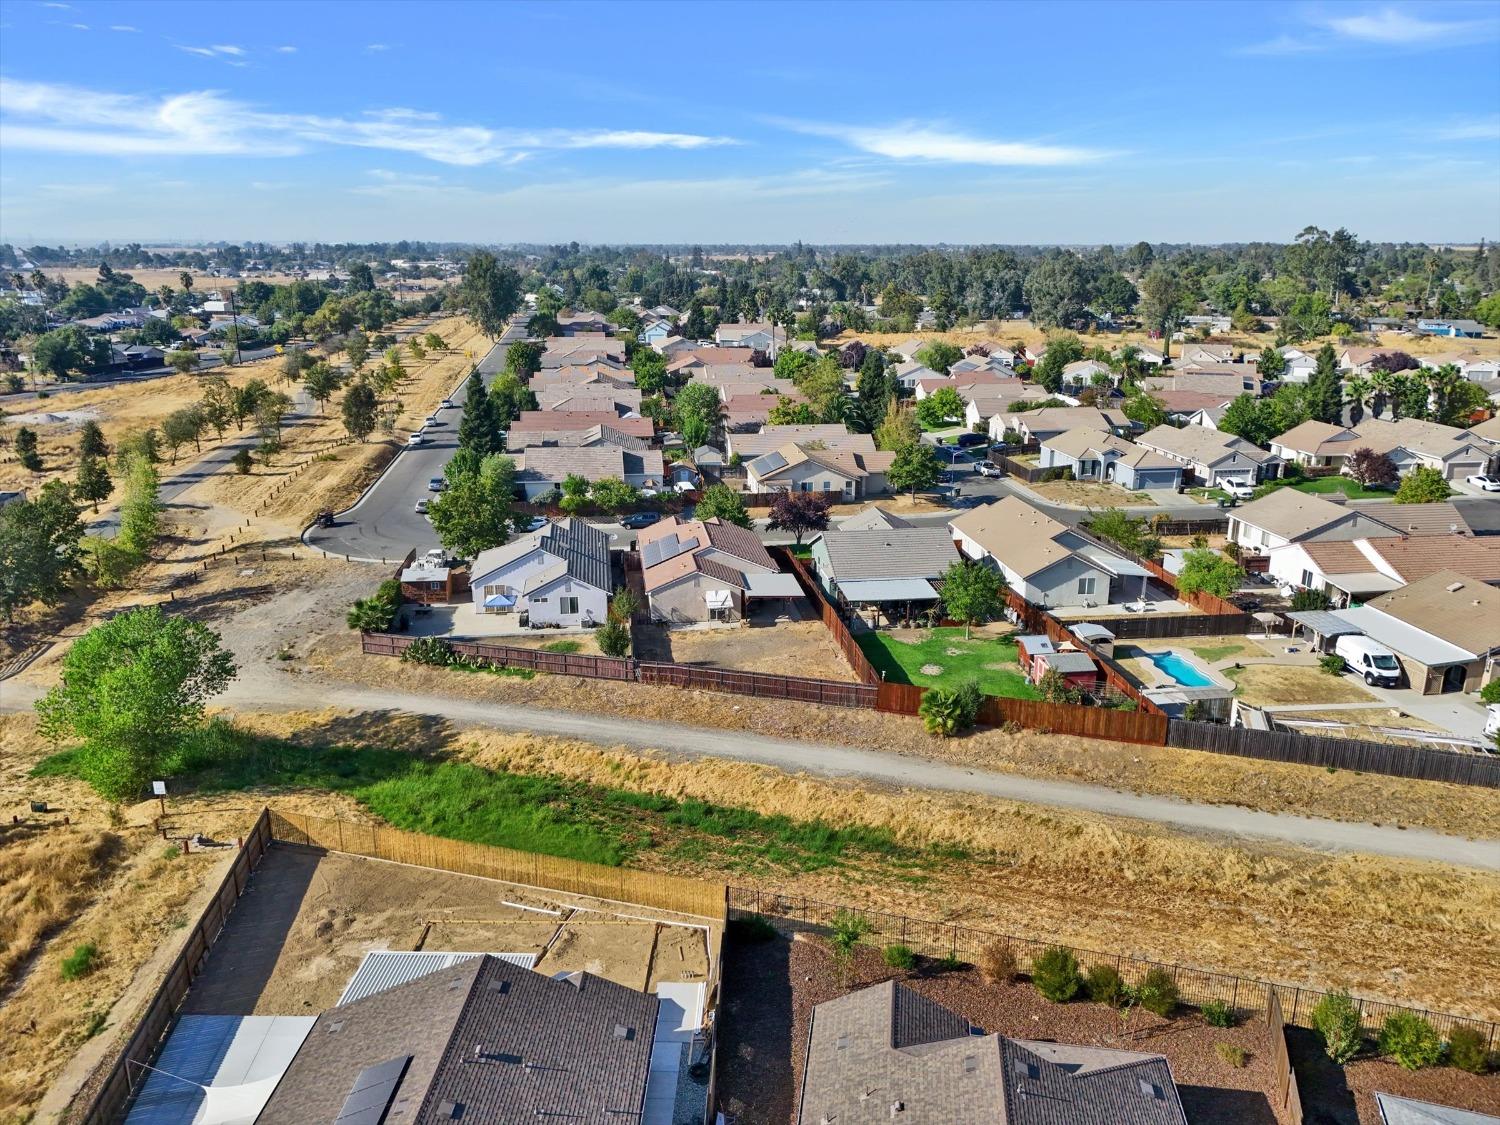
<point>602,374</point>
<point>1227,380</point>
<point>558,574</point>
<point>1083,373</point>
<point>541,427</point>
<point>1206,353</point>
<point>882,570</point>
<point>989,405</point>
<point>887,1053</point>
<point>589,348</point>
<point>1300,365</point>
<point>1470,329</point>
<point>657,332</point>
<point>830,435</point>
<point>589,398</point>
<point>872,518</point>
<point>540,469</point>
<point>1210,456</point>
<point>759,336</point>
<point>852,471</point>
<point>908,349</point>
<point>580,323</point>
<point>1096,455</point>
<point>1285,515</point>
<point>962,381</point>
<point>1474,368</point>
<point>690,360</point>
<point>1409,442</point>
<point>751,411</point>
<point>1441,628</point>
<point>1194,408</point>
<point>911,374</point>
<point>1044,561</point>
<point>480,1040</point>
<point>1052,421</point>
<point>707,570</point>
<point>1358,569</point>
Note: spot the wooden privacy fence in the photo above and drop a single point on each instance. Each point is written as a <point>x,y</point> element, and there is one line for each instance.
<point>1030,473</point>
<point>120,1082</point>
<point>1338,753</point>
<point>1038,620</point>
<point>617,884</point>
<point>1288,1106</point>
<point>509,656</point>
<point>762,684</point>
<point>829,612</point>
<point>1195,986</point>
<point>1035,714</point>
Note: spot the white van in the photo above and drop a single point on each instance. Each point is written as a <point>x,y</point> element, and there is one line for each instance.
<point>1376,663</point>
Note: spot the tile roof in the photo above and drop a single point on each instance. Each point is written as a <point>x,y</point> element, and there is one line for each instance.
<point>888,552</point>
<point>501,1042</point>
<point>553,463</point>
<point>834,436</point>
<point>554,421</point>
<point>1022,538</point>
<point>1201,444</point>
<point>910,1051</point>
<point>1440,518</point>
<point>871,519</point>
<point>687,544</point>
<point>1060,419</point>
<point>1450,605</point>
<point>1415,559</point>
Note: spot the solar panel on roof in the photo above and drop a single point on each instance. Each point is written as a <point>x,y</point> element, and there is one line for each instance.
<point>773,461</point>
<point>372,1092</point>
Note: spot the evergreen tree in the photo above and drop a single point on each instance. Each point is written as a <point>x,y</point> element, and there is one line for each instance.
<point>140,510</point>
<point>26,450</point>
<point>477,429</point>
<point>358,410</point>
<point>1325,395</point>
<point>91,441</point>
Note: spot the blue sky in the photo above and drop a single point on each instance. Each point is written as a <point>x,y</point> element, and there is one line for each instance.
<point>635,122</point>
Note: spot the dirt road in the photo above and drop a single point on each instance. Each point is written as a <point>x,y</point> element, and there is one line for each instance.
<point>259,690</point>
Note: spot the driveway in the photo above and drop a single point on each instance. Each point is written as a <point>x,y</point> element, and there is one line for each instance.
<point>384,523</point>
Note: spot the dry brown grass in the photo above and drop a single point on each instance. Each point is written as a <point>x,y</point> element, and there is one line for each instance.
<point>798,648</point>
<point>1275,685</point>
<point>1092,494</point>
<point>45,879</point>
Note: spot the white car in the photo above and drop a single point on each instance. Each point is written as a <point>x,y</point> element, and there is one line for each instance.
<point>446,403</point>
<point>421,508</point>
<point>1238,489</point>
<point>1492,720</point>
<point>1484,482</point>
<point>989,469</point>
<point>418,438</point>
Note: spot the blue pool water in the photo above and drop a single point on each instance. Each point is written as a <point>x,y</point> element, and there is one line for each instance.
<point>1180,670</point>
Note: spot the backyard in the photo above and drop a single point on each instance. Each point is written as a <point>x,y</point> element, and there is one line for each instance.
<point>943,658</point>
<point>1326,486</point>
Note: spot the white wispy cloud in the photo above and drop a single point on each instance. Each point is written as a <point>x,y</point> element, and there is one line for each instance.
<point>286,50</point>
<point>1398,27</point>
<point>913,140</point>
<point>79,26</point>
<point>224,52</point>
<point>60,7</point>
<point>230,49</point>
<point>1281,45</point>
<point>1482,130</point>
<point>57,118</point>
<point>123,27</point>
<point>377,47</point>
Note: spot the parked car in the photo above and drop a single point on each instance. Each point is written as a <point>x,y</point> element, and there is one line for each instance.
<point>989,469</point>
<point>421,508</point>
<point>436,484</point>
<point>1492,720</point>
<point>965,440</point>
<point>418,438</point>
<point>1484,482</point>
<point>1364,657</point>
<point>1238,489</point>
<point>446,403</point>
<point>637,520</point>
<point>536,523</point>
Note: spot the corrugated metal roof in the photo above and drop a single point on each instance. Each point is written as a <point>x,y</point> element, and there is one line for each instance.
<point>382,968</point>
<point>887,590</point>
<point>1324,623</point>
<point>1408,640</point>
<point>772,585</point>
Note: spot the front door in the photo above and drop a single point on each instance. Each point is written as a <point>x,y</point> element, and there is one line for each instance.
<point>1454,676</point>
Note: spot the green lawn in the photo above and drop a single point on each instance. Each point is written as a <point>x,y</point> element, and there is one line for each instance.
<point>1325,486</point>
<point>992,662</point>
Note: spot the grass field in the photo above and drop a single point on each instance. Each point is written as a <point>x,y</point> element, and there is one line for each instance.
<point>1327,486</point>
<point>989,660</point>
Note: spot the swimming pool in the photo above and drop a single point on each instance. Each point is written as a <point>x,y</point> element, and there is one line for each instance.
<point>1179,669</point>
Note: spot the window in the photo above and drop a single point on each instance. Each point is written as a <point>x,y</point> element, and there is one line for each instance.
<point>827,485</point>
<point>1307,579</point>
<point>567,605</point>
<point>1086,585</point>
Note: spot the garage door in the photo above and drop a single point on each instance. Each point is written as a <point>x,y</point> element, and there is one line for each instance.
<point>1457,470</point>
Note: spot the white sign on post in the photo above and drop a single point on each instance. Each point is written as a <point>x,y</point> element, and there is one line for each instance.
<point>158,789</point>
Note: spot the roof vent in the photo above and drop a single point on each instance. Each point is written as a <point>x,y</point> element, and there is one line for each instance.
<point>450,1111</point>
<point>623,1032</point>
<point>501,986</point>
<point>1025,1069</point>
<point>1151,1090</point>
<point>842,1042</point>
<point>1455,587</point>
<point>335,1026</point>
<point>897,1107</point>
<point>971,1064</point>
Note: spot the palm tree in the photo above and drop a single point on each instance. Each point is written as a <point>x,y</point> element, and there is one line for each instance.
<point>1441,383</point>
<point>1383,386</point>
<point>1358,392</point>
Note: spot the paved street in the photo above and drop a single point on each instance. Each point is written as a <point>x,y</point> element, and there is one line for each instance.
<point>384,524</point>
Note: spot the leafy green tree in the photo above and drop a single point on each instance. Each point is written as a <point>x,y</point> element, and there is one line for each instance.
<point>477,428</point>
<point>613,638</point>
<point>650,371</point>
<point>1165,300</point>
<point>1057,289</point>
<point>217,404</point>
<point>1145,409</point>
<point>898,429</point>
<point>943,407</point>
<point>270,413</point>
<point>1063,348</point>
<point>321,383</point>
<point>93,483</point>
<point>435,343</point>
<point>699,325</point>
<point>575,493</point>
<point>26,451</point>
<point>787,412</point>
<point>132,690</point>
<point>140,508</point>
<point>938,356</point>
<point>914,467</point>
<point>476,512</point>
<point>491,292</point>
<point>1410,1040</point>
<point>182,426</point>
<point>509,397</point>
<point>1055,974</point>
<point>39,548</point>
<point>91,441</point>
<point>972,593</point>
<point>523,359</point>
<point>1131,532</point>
<point>1272,364</point>
<point>1208,572</point>
<point>1336,1020</point>
<point>613,495</point>
<point>242,462</point>
<point>791,364</point>
<point>183,360</point>
<point>293,364</point>
<point>359,409</point>
<point>722,502</point>
<point>1423,485</point>
<point>418,352</point>
<point>698,409</point>
<point>63,351</point>
<point>246,399</point>
<point>142,443</point>
<point>357,349</point>
<point>1249,417</point>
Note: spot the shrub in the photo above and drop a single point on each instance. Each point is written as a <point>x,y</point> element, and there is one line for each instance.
<point>899,956</point>
<point>847,931</point>
<point>997,963</point>
<point>1055,974</point>
<point>1216,1013</point>
<point>1333,664</point>
<point>1105,986</point>
<point>948,963</point>
<point>242,462</point>
<point>1337,1020</point>
<point>1157,992</point>
<point>1234,1056</point>
<point>752,928</point>
<point>1466,1050</point>
<point>1410,1040</point>
<point>1490,693</point>
<point>81,962</point>
<point>942,712</point>
<point>429,650</point>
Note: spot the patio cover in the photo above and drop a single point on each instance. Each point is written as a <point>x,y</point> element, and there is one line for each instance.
<point>887,590</point>
<point>1323,623</point>
<point>1112,563</point>
<point>1365,582</point>
<point>773,586</point>
<point>499,601</point>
